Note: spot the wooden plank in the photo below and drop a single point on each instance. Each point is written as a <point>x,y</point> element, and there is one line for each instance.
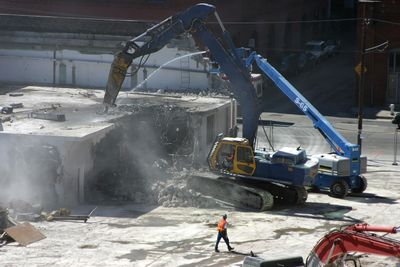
<point>24,233</point>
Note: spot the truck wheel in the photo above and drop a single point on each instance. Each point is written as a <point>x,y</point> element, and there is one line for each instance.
<point>339,189</point>
<point>363,185</point>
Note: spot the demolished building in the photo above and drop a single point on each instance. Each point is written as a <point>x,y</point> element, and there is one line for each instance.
<point>93,155</point>
<point>60,147</point>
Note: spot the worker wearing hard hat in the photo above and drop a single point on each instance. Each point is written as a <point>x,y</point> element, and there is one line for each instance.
<point>222,233</point>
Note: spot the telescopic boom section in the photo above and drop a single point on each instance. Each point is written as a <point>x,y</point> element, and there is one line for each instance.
<point>337,142</point>
<point>334,138</point>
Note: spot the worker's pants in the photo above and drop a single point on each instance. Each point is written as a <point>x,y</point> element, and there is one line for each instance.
<point>223,235</point>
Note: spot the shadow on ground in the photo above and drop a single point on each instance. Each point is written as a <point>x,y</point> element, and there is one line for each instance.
<point>115,209</point>
<point>319,211</point>
<point>371,198</point>
<point>368,198</point>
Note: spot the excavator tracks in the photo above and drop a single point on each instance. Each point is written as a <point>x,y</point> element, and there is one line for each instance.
<point>234,193</point>
<point>283,194</point>
<point>242,193</point>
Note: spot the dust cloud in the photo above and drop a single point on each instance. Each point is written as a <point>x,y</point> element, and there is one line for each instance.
<point>29,172</point>
<point>148,158</point>
<point>134,161</point>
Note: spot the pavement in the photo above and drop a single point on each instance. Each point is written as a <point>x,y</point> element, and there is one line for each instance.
<point>126,234</point>
<point>374,113</point>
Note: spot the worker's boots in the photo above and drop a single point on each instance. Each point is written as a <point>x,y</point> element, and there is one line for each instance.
<point>230,248</point>
<point>216,250</point>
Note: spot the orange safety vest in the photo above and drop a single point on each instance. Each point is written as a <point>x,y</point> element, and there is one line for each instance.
<point>221,225</point>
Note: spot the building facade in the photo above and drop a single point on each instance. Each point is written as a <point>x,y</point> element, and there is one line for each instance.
<point>268,26</point>
<point>382,76</point>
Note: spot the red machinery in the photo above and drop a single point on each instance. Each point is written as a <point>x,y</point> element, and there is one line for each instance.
<point>335,246</point>
<point>338,247</point>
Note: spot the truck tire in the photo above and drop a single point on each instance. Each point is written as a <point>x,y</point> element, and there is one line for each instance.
<point>339,189</point>
<point>363,185</point>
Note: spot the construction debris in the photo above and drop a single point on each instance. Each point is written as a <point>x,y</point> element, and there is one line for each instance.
<point>17,105</point>
<point>64,214</point>
<point>6,110</point>
<point>179,195</point>
<point>47,116</point>
<point>31,217</point>
<point>24,234</point>
<point>5,220</point>
<point>15,94</point>
<point>11,231</point>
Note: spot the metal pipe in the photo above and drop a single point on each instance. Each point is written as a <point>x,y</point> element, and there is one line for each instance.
<point>396,130</point>
<point>219,21</point>
<point>362,77</point>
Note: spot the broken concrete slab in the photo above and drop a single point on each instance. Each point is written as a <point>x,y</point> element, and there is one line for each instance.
<point>47,116</point>
<point>17,105</point>
<point>15,94</point>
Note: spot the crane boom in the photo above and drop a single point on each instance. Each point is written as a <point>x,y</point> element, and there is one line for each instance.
<point>337,142</point>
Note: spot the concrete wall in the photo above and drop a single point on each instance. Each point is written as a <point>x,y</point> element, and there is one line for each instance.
<point>240,12</point>
<point>74,68</point>
<point>27,179</point>
<point>222,122</point>
<point>60,178</point>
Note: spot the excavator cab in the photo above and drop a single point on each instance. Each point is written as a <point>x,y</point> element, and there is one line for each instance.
<point>232,155</point>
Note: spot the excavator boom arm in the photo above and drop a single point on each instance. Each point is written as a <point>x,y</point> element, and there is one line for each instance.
<point>230,59</point>
<point>355,238</point>
<point>149,42</point>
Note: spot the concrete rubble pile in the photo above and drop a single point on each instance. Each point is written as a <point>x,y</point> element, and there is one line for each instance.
<point>147,159</point>
<point>13,231</point>
<point>176,193</point>
<point>24,211</point>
